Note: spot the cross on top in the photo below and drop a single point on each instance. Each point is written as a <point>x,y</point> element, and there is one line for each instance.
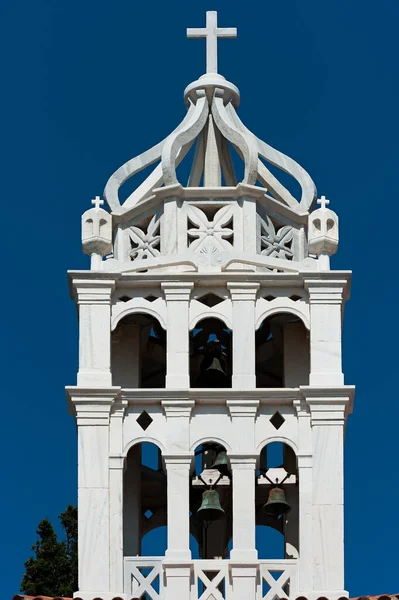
<point>97,202</point>
<point>323,202</point>
<point>211,33</point>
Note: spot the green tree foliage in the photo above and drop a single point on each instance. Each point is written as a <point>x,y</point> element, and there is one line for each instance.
<point>53,570</point>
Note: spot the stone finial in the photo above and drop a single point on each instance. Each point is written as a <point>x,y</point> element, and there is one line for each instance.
<point>96,233</point>
<point>323,233</point>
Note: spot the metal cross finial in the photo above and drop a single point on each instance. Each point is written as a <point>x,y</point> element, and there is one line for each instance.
<point>323,202</point>
<point>97,202</point>
<point>211,33</point>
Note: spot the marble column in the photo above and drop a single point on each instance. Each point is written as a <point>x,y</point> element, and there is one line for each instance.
<point>325,300</point>
<point>243,296</point>
<point>93,416</point>
<point>94,301</point>
<point>328,408</point>
<point>177,563</point>
<point>116,471</point>
<point>305,478</point>
<point>243,556</point>
<point>177,296</point>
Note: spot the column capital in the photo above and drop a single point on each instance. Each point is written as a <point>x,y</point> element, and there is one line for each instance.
<point>243,408</point>
<point>329,406</point>
<point>180,461</point>
<point>243,290</point>
<point>119,407</point>
<point>325,292</point>
<point>91,291</point>
<point>242,462</point>
<point>177,408</point>
<point>301,407</point>
<point>177,290</point>
<point>116,461</point>
<point>92,406</point>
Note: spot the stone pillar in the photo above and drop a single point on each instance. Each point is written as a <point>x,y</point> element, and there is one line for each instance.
<point>328,409</point>
<point>94,301</point>
<point>243,472</point>
<point>132,521</point>
<point>305,478</point>
<point>116,469</point>
<point>177,296</point>
<point>243,556</point>
<point>93,416</point>
<point>243,296</point>
<point>177,563</point>
<point>325,299</point>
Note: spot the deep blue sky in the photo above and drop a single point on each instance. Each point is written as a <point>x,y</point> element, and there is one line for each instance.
<point>89,84</point>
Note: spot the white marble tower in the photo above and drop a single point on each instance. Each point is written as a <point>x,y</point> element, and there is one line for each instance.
<point>210,326</point>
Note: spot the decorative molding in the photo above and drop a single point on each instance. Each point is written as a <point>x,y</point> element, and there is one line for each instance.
<point>93,291</point>
<point>243,291</point>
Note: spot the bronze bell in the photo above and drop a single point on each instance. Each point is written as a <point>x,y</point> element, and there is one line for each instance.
<point>210,509</point>
<point>212,369</point>
<point>221,462</point>
<point>276,504</point>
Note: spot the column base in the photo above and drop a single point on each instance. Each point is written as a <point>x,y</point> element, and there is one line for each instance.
<point>177,382</point>
<point>243,556</point>
<point>243,382</point>
<point>173,557</point>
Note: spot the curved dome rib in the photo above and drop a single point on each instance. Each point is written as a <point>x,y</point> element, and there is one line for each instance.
<point>182,136</point>
<point>283,162</point>
<point>237,137</point>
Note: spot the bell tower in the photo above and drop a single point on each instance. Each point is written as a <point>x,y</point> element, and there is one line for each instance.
<point>210,400</point>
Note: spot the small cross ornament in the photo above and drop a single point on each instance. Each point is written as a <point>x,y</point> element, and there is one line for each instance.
<point>323,202</point>
<point>211,33</point>
<point>97,202</point>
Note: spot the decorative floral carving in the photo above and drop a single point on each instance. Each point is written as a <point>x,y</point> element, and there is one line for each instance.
<point>276,243</point>
<point>207,231</point>
<point>145,245</point>
<point>209,255</point>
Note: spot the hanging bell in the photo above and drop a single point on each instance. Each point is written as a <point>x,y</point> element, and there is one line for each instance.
<point>210,509</point>
<point>212,369</point>
<point>221,463</point>
<point>213,376</point>
<point>276,504</point>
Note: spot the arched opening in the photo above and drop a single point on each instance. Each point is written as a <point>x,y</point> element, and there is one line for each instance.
<point>210,502</point>
<point>210,354</point>
<point>144,498</point>
<point>282,352</point>
<point>277,503</point>
<point>138,352</point>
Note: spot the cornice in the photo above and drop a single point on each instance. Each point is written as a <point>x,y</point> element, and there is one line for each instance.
<point>229,397</point>
<point>266,279</point>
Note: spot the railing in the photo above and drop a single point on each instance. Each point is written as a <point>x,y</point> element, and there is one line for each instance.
<point>211,579</point>
<point>143,577</point>
<point>277,579</point>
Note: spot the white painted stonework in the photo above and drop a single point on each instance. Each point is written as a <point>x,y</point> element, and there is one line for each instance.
<point>180,272</point>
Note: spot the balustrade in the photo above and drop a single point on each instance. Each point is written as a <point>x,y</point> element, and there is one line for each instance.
<point>210,579</point>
